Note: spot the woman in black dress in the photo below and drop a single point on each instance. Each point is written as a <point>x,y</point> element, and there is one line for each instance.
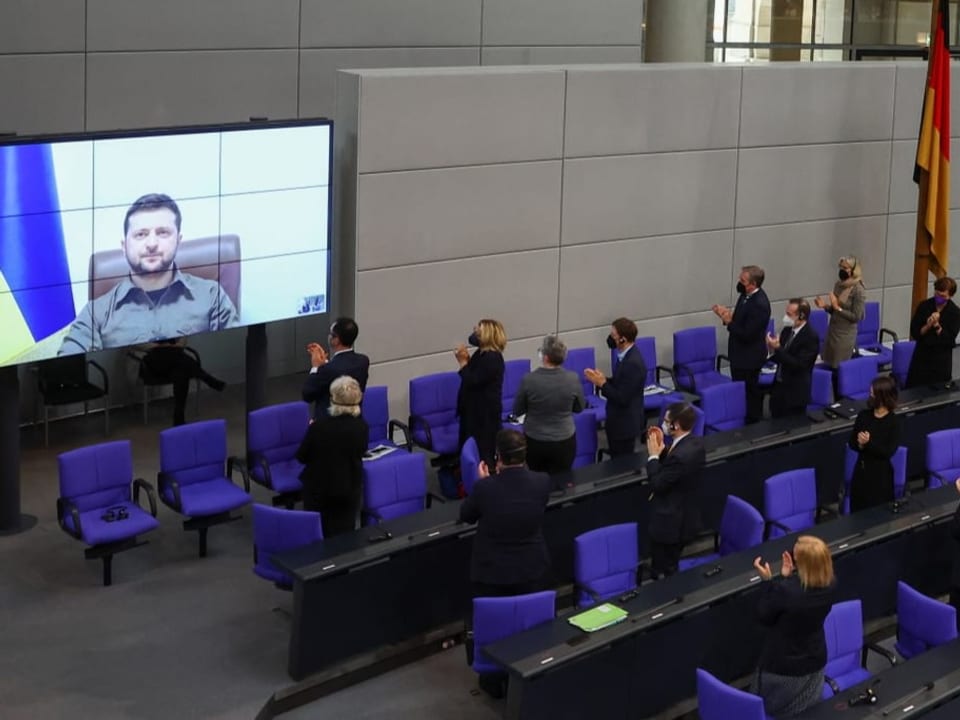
<point>332,453</point>
<point>480,400</point>
<point>934,327</point>
<point>875,436</point>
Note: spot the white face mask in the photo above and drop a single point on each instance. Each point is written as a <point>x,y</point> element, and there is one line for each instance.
<point>540,356</point>
<point>787,321</point>
<point>665,426</point>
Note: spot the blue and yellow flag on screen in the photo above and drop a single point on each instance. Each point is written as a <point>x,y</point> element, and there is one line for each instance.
<point>36,299</point>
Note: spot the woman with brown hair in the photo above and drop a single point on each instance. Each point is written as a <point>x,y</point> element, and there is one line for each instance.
<point>845,305</point>
<point>480,400</point>
<point>793,608</point>
<point>875,437</point>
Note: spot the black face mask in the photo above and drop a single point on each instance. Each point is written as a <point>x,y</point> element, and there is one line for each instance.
<point>741,288</point>
<point>843,275</point>
<point>474,339</point>
<point>611,343</point>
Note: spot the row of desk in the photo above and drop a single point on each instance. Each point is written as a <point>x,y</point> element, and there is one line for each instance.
<point>409,576</point>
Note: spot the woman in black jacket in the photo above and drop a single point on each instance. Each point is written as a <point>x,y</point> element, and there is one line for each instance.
<point>332,453</point>
<point>480,400</point>
<point>792,608</point>
<point>934,327</point>
<point>875,437</point>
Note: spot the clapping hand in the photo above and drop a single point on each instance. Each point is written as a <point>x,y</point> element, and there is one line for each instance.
<point>762,568</point>
<point>318,356</point>
<point>820,302</point>
<point>834,301</point>
<point>773,342</point>
<point>863,437</point>
<point>723,312</point>
<point>462,355</point>
<point>596,377</point>
<point>655,443</point>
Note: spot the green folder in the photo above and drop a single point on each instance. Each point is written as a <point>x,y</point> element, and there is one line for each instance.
<point>598,618</point>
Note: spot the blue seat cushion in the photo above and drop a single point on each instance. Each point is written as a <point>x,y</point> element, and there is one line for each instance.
<point>847,680</point>
<point>285,476</point>
<point>210,497</point>
<point>96,531</point>
<point>446,440</point>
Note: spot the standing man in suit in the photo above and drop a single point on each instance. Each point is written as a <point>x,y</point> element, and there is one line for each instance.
<point>341,361</point>
<point>747,325</point>
<point>795,353</point>
<point>674,476</point>
<point>623,391</point>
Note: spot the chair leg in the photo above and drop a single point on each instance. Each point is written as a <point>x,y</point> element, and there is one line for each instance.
<point>146,419</point>
<point>46,426</point>
<point>202,532</point>
<point>107,570</point>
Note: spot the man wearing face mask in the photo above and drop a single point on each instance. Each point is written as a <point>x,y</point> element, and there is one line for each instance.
<point>674,476</point>
<point>623,391</point>
<point>795,353</point>
<point>747,325</point>
<point>934,327</point>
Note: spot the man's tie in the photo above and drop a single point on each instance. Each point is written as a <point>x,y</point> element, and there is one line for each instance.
<point>779,375</point>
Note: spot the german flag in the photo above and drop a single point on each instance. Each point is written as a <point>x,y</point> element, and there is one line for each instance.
<point>932,171</point>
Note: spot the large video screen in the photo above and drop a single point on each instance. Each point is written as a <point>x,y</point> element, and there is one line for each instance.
<point>115,240</point>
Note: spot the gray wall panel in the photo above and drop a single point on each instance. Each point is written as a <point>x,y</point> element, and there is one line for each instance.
<point>614,198</point>
<point>616,111</point>
<point>911,79</point>
<point>901,238</point>
<point>813,182</point>
<point>189,87</point>
<point>562,22</point>
<point>60,76</point>
<point>459,117</point>
<point>27,26</point>
<point>428,215</point>
<point>142,25</point>
<point>895,309</point>
<point>560,55</point>
<point>795,103</point>
<point>903,190</point>
<point>390,23</point>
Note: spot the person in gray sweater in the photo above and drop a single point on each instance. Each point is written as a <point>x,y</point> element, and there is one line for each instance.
<point>548,397</point>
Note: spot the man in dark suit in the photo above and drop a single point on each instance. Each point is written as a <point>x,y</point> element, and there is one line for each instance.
<point>341,361</point>
<point>674,477</point>
<point>747,325</point>
<point>623,391</point>
<point>795,353</point>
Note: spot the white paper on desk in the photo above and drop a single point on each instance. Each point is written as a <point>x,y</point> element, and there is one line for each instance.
<point>655,390</point>
<point>867,353</point>
<point>378,452</point>
<point>768,371</point>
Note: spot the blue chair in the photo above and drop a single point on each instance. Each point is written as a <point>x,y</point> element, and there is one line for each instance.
<point>277,531</point>
<point>578,360</point>
<point>819,320</point>
<point>922,622</point>
<point>605,563</point>
<point>585,424</point>
<point>741,527</point>
<point>790,502</point>
<point>434,425</point>
<point>376,411</point>
<point>821,389</point>
<point>768,373</point>
<point>274,434</point>
<point>393,486</point>
<point>497,618</point>
<point>854,377</point>
<point>870,335</point>
<point>719,701</point>
<point>846,651</point>
<point>943,457</point>
<point>99,501</point>
<point>513,372</point>
<point>696,365</point>
<point>724,406</point>
<point>902,356</point>
<point>899,462</point>
<point>469,465</point>
<point>195,476</point>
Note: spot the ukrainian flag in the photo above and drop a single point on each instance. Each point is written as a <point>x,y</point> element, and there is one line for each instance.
<point>36,299</point>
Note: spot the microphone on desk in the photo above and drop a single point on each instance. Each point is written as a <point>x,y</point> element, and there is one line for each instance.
<point>867,697</point>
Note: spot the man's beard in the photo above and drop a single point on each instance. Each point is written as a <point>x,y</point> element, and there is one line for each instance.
<point>139,268</point>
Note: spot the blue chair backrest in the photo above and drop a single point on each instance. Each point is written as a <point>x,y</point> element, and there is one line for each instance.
<point>868,329</point>
<point>724,406</point>
<point>922,622</point>
<point>605,562</point>
<point>854,377</point>
<point>648,351</point>
<point>395,485</point>
<point>943,457</point>
<point>195,452</point>
<point>578,360</point>
<point>719,701</point>
<point>843,631</point>
<point>96,476</point>
<point>469,464</point>
<point>277,530</point>
<point>821,388</point>
<point>902,357</point>
<point>513,372</point>
<point>899,462</point>
<point>790,498</point>
<point>741,526</point>
<point>275,432</point>
<point>695,349</point>
<point>498,618</point>
<point>434,398</point>
<point>819,320</point>
<point>376,411</point>
<point>585,424</point>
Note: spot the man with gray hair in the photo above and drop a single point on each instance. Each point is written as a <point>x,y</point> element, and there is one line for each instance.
<point>548,397</point>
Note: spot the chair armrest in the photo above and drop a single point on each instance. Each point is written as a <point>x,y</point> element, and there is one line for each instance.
<point>834,688</point>
<point>719,358</point>
<point>164,479</point>
<point>777,524</point>
<point>395,425</point>
<point>601,452</point>
<point>891,333</point>
<point>412,427</point>
<point>63,507</point>
<point>431,496</point>
<point>234,462</point>
<point>151,494</point>
<point>716,542</point>
<point>882,652</point>
<point>191,351</point>
<point>938,476</point>
<point>664,369</point>
<point>824,510</point>
<point>103,374</point>
<point>258,460</point>
<point>691,386</point>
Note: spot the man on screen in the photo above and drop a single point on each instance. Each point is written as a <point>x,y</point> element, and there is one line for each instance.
<point>155,301</point>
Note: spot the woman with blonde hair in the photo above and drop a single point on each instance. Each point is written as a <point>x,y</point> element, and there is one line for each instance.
<point>332,454</point>
<point>845,305</point>
<point>792,608</point>
<point>480,401</point>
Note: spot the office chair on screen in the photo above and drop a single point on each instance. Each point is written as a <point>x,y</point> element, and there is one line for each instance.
<point>65,381</point>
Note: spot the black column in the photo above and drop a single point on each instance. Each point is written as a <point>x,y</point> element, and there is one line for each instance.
<point>11,521</point>
<point>256,367</point>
